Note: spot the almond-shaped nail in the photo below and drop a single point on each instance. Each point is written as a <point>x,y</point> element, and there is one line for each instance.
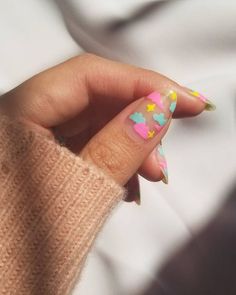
<point>152,114</point>
<point>162,163</point>
<point>137,198</point>
<point>133,189</point>
<point>209,106</point>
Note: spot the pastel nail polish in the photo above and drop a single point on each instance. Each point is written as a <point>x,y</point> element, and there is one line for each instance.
<point>209,106</point>
<point>152,114</point>
<point>162,163</point>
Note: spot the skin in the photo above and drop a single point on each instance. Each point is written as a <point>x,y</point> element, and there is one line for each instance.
<point>86,100</point>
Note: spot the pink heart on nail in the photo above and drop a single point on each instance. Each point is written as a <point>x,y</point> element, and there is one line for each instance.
<point>141,129</point>
<point>202,97</point>
<point>156,97</point>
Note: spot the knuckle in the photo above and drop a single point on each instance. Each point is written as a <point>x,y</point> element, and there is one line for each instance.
<point>87,57</point>
<point>111,155</point>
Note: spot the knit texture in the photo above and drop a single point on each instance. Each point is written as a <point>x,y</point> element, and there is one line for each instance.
<point>52,205</point>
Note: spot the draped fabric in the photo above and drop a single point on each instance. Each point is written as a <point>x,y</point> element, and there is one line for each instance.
<point>191,41</point>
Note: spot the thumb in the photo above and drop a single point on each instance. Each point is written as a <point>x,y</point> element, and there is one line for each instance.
<point>125,142</point>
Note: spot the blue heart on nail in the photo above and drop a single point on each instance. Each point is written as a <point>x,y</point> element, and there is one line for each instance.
<point>137,117</point>
<point>172,106</point>
<point>160,119</point>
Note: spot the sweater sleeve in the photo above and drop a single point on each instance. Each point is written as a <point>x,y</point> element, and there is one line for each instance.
<point>52,206</point>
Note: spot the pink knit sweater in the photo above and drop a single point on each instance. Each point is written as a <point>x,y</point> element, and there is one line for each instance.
<point>52,206</point>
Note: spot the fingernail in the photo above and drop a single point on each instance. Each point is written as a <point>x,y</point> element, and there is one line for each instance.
<point>209,106</point>
<point>152,114</point>
<point>162,163</point>
<point>137,198</point>
<point>133,189</point>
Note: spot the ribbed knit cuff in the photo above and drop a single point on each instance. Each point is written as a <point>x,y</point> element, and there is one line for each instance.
<point>52,205</point>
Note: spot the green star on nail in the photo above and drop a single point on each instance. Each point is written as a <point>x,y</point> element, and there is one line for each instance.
<point>160,119</point>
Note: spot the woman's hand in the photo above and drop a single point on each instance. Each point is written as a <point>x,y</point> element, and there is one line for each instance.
<point>111,114</point>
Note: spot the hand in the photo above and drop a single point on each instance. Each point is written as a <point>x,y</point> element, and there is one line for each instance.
<point>105,114</point>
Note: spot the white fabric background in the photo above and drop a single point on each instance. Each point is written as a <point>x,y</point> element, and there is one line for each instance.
<point>191,41</point>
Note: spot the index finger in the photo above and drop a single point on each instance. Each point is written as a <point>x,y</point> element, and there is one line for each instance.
<point>64,91</point>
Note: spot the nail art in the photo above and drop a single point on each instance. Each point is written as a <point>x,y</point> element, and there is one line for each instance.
<point>151,107</point>
<point>173,96</point>
<point>156,98</point>
<point>160,119</point>
<point>137,198</point>
<point>209,106</point>
<point>153,114</point>
<point>138,118</point>
<point>162,163</point>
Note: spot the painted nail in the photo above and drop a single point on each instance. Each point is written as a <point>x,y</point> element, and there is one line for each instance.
<point>162,163</point>
<point>137,198</point>
<point>152,114</point>
<point>133,189</point>
<point>209,106</point>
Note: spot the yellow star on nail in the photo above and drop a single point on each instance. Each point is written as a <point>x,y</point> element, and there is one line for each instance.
<point>195,93</point>
<point>151,107</point>
<point>173,95</point>
<point>151,134</point>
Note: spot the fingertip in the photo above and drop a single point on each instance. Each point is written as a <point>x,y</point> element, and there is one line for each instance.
<point>191,103</point>
<point>150,169</point>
